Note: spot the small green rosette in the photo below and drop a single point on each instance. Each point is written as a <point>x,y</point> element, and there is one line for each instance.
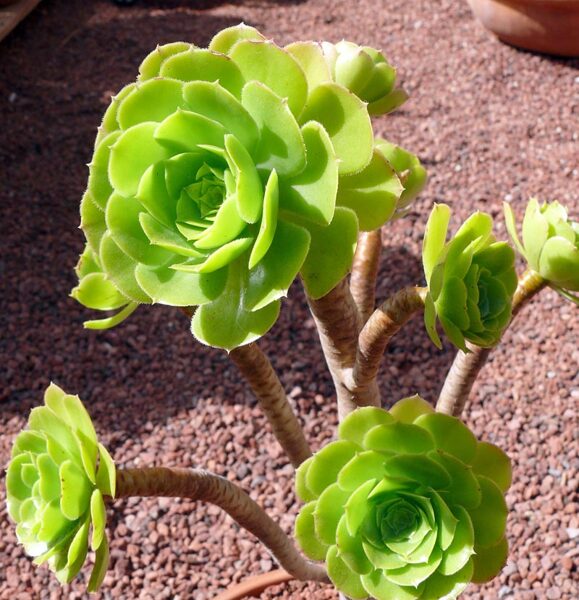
<point>471,280</point>
<point>365,72</point>
<point>550,244</point>
<point>55,482</point>
<point>222,174</point>
<point>405,505</point>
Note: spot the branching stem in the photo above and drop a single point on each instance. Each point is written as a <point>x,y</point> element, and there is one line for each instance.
<point>258,371</point>
<point>197,484</point>
<point>365,271</point>
<point>466,366</point>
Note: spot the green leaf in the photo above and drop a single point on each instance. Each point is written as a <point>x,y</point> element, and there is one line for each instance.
<point>363,466</point>
<point>453,333</point>
<point>248,184</point>
<point>450,435</point>
<point>372,193</point>
<point>272,276</point>
<point>351,550</point>
<point>430,320</point>
<point>383,558</point>
<point>489,518</point>
<point>302,490</point>
<point>327,463</point>
<point>417,468</point>
<point>439,587</point>
<point>268,223</point>
<point>47,472</point>
<point>414,574</point>
<point>343,577</point>
<point>357,506</point>
<point>381,588</point>
<point>97,292</point>
<point>312,193</point>
<point>151,66</point>
<point>168,238</point>
<point>151,100</point>
<point>106,477</point>
<point>108,322</point>
<point>184,131</point>
<point>457,555</point>
<point>281,145</point>
<point>305,534</point>
<point>216,103</point>
<point>180,288</point>
<point>270,65</point>
<point>345,118</point>
<point>204,65</point>
<point>512,227</point>
<point>77,552</point>
<point>42,419</point>
<point>99,187</point>
<point>490,461</point>
<point>311,59</point>
<point>488,562</point>
<point>329,511</point>
<point>98,517</point>
<point>559,263</point>
<point>535,233</point>
<point>131,155</point>
<point>434,238</point>
<point>225,39</point>
<point>75,490</point>
<point>100,566</point>
<point>221,257</point>
<point>446,522</point>
<point>355,426</point>
<point>407,410</point>
<point>400,438</point>
<point>323,270</point>
<point>92,222</point>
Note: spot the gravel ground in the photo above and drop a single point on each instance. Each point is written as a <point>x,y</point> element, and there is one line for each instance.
<point>490,122</point>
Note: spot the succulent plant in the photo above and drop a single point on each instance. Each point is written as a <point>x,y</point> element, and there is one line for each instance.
<point>550,244</point>
<point>405,504</point>
<point>366,73</point>
<point>224,172</point>
<point>471,280</point>
<point>55,483</point>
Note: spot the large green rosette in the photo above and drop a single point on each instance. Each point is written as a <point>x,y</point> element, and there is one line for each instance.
<point>406,504</point>
<point>222,174</point>
<point>550,244</point>
<point>471,280</point>
<point>55,483</point>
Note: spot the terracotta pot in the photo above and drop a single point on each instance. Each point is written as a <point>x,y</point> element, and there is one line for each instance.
<point>252,587</point>
<point>550,26</point>
<point>7,2</point>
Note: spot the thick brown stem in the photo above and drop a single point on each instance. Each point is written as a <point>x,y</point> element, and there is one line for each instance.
<point>197,484</point>
<point>365,271</point>
<point>338,323</point>
<point>384,323</point>
<point>266,386</point>
<point>466,366</point>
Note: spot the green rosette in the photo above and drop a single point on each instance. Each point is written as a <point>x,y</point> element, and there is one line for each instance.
<point>55,483</point>
<point>550,244</point>
<point>471,280</point>
<point>222,174</point>
<point>406,504</point>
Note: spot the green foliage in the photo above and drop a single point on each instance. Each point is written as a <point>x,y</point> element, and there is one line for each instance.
<point>471,280</point>
<point>55,483</point>
<point>550,244</point>
<point>223,173</point>
<point>405,504</point>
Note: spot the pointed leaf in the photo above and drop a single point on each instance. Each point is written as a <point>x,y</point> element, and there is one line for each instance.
<point>434,237</point>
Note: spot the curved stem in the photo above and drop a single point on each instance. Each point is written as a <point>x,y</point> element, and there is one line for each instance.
<point>384,323</point>
<point>197,484</point>
<point>466,366</point>
<point>365,271</point>
<point>256,368</point>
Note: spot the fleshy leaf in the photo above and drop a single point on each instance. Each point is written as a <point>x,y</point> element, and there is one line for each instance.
<point>407,410</point>
<point>492,462</point>
<point>327,464</point>
<point>305,534</point>
<point>450,435</point>
<point>489,561</point>
<point>343,577</point>
<point>355,426</point>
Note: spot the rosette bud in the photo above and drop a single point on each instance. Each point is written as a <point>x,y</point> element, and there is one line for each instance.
<point>365,72</point>
<point>471,280</point>
<point>550,244</point>
<point>55,482</point>
<point>220,175</point>
<point>405,504</point>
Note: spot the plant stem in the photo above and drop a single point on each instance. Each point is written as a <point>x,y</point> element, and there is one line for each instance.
<point>338,323</point>
<point>256,368</point>
<point>365,271</point>
<point>382,325</point>
<point>197,484</point>
<point>466,366</point>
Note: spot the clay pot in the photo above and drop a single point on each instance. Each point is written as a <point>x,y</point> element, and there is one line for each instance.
<point>7,2</point>
<point>252,587</point>
<point>549,26</point>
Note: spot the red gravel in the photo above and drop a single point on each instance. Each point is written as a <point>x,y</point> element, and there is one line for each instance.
<point>490,123</point>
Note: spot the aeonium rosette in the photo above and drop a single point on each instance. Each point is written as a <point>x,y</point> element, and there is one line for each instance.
<point>550,244</point>
<point>471,280</point>
<point>55,483</point>
<point>220,175</point>
<point>406,504</point>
